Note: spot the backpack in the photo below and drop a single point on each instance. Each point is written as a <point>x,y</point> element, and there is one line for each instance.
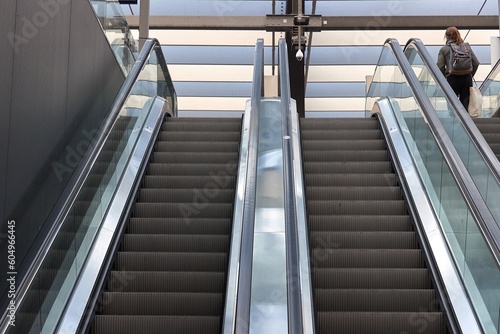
<point>460,61</point>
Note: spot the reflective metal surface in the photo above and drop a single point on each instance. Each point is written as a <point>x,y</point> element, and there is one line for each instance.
<point>268,309</point>
<point>300,205</point>
<point>229,321</point>
<point>458,296</point>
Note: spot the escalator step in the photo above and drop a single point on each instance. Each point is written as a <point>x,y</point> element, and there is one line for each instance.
<point>212,170</point>
<point>199,136</point>
<point>359,223</point>
<point>319,134</point>
<point>199,126</point>
<point>347,167</point>
<point>133,324</point>
<point>162,303</point>
<point>354,180</point>
<point>325,145</point>
<point>364,240</point>
<point>423,322</point>
<point>347,207</point>
<point>191,181</point>
<point>375,300</point>
<point>332,155</point>
<point>372,278</point>
<point>175,243</point>
<point>200,196</point>
<point>183,210</point>
<point>199,146</point>
<point>193,157</point>
<point>354,193</point>
<point>157,281</point>
<point>190,225</point>
<point>163,261</point>
<point>367,258</point>
<point>338,124</point>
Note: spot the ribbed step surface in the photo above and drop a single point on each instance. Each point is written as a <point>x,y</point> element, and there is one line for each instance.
<point>169,275</point>
<point>369,275</point>
<point>490,128</point>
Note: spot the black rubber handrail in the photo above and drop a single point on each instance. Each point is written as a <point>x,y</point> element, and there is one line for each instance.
<point>242,325</point>
<point>475,201</point>
<point>294,296</point>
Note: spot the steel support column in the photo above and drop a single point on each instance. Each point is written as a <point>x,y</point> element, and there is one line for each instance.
<point>297,84</point>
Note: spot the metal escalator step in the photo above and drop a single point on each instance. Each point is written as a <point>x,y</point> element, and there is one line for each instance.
<point>348,207</point>
<point>212,195</point>
<point>212,170</point>
<point>375,155</point>
<point>162,303</point>
<point>375,300</point>
<point>202,127</point>
<point>193,157</point>
<point>183,210</point>
<point>175,243</point>
<point>354,180</point>
<point>364,240</point>
<point>184,136</point>
<point>488,128</point>
<point>205,119</point>
<point>339,123</point>
<point>371,278</point>
<point>192,225</point>
<point>162,261</point>
<point>191,181</point>
<point>134,324</point>
<point>367,258</point>
<point>197,146</point>
<point>495,147</point>
<point>492,137</point>
<point>326,145</point>
<point>318,134</point>
<point>157,281</point>
<point>359,223</point>
<point>424,322</point>
<point>353,193</point>
<point>347,167</point>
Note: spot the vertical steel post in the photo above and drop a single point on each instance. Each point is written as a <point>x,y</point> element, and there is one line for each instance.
<point>143,23</point>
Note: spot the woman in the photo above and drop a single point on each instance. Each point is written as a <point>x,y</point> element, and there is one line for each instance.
<point>459,83</point>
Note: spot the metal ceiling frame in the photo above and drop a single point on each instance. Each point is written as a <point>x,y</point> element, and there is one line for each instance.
<point>318,22</point>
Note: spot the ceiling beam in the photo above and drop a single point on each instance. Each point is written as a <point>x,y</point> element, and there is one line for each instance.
<point>318,23</point>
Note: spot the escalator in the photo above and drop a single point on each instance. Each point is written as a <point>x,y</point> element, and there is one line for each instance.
<point>170,270</point>
<point>490,129</point>
<point>368,271</point>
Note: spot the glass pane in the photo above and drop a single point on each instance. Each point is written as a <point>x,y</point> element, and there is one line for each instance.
<point>484,179</point>
<point>115,26</point>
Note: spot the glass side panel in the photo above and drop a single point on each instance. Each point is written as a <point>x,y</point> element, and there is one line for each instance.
<point>483,177</point>
<point>115,26</point>
<point>491,93</point>
<point>472,256</point>
<point>54,282</point>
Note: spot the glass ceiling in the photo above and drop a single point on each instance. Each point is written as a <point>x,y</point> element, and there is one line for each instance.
<point>323,7</point>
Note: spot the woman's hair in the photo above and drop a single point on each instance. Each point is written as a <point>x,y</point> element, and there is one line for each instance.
<point>452,33</point>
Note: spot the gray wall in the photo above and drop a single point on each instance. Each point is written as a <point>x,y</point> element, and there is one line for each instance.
<point>58,79</point>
